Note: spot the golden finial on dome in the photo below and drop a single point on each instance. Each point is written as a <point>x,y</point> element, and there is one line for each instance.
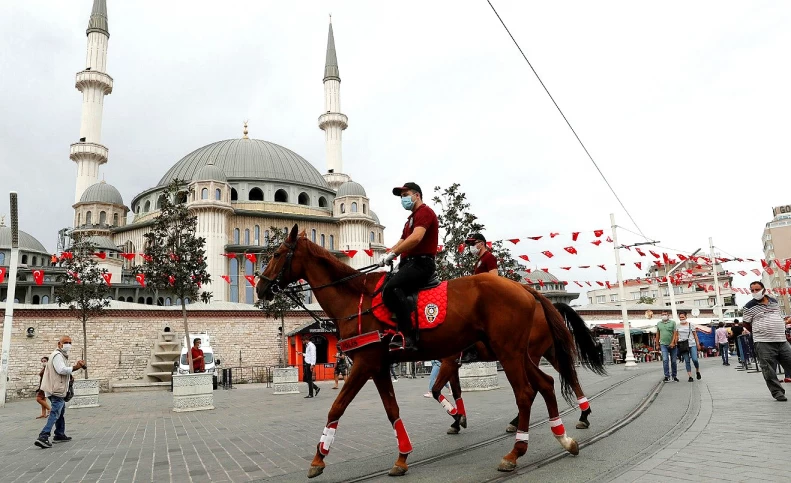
<point>245,130</point>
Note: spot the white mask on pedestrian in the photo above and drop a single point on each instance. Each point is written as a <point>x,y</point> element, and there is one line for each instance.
<point>66,348</point>
<point>474,251</point>
<point>758,295</point>
<point>664,318</point>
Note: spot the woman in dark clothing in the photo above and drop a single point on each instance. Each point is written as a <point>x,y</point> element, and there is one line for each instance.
<point>41,398</point>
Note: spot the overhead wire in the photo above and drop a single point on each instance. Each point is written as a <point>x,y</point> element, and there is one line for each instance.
<point>567,122</point>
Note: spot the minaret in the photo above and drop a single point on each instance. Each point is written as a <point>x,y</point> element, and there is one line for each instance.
<point>332,122</point>
<point>94,84</point>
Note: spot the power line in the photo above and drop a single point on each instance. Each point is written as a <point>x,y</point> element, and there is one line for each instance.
<point>567,121</point>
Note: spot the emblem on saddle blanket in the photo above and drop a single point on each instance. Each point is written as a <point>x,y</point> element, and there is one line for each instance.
<point>432,305</point>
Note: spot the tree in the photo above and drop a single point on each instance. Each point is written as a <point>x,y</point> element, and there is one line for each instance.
<point>646,300</point>
<point>175,258</point>
<point>456,223</point>
<point>280,304</point>
<point>85,289</point>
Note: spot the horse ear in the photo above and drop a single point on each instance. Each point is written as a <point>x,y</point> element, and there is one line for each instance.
<point>302,234</point>
<point>292,237</point>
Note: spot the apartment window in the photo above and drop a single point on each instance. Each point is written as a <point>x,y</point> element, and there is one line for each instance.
<point>600,299</point>
<point>635,295</point>
<point>678,289</point>
<point>612,298</point>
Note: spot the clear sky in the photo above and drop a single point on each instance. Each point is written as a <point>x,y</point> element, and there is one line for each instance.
<point>684,105</point>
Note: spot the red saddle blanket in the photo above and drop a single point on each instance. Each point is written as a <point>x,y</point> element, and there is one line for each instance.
<point>432,305</point>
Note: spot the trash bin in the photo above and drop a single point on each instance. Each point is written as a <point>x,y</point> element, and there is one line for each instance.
<point>214,381</point>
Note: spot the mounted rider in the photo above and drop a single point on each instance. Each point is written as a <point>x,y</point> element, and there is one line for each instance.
<point>486,263</point>
<point>418,250</point>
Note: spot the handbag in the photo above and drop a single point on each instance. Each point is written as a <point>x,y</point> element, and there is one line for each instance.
<point>683,346</point>
<point>69,391</point>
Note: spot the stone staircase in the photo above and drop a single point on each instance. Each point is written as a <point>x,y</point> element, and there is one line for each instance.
<point>159,372</point>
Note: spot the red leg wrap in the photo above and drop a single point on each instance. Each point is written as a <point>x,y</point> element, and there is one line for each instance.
<point>460,407</point>
<point>557,427</point>
<point>583,402</point>
<point>447,405</point>
<point>327,437</point>
<point>404,445</point>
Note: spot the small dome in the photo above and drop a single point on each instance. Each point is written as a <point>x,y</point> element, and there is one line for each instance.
<point>102,193</point>
<point>537,275</point>
<point>351,188</point>
<point>210,172</point>
<point>376,218</point>
<point>103,243</point>
<point>26,241</point>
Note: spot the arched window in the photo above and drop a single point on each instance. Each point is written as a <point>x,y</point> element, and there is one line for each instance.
<point>141,300</point>
<point>160,301</point>
<point>343,208</point>
<point>322,202</point>
<point>102,217</point>
<point>248,289</point>
<point>35,300</point>
<point>115,219</point>
<point>257,235</point>
<point>354,207</point>
<point>372,237</point>
<point>313,235</point>
<point>204,194</point>
<point>234,194</point>
<point>44,299</point>
<point>24,259</point>
<point>168,302</point>
<point>234,274</point>
<point>147,207</point>
<point>246,236</point>
<point>322,240</point>
<point>2,258</point>
<point>281,196</point>
<point>159,202</point>
<point>332,242</point>
<point>149,300</point>
<point>235,236</point>
<point>266,238</point>
<point>88,218</point>
<point>303,199</point>
<point>34,262</point>
<point>256,195</point>
<point>178,301</point>
<point>364,210</point>
<point>218,194</point>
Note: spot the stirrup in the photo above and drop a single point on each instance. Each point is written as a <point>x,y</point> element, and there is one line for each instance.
<point>397,342</point>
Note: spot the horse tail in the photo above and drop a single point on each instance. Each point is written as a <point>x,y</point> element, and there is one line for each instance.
<point>563,344</point>
<point>589,350</point>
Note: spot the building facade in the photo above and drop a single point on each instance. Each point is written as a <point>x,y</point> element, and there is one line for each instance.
<point>777,246</point>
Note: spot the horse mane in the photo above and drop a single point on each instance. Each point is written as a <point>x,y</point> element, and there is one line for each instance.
<point>339,269</point>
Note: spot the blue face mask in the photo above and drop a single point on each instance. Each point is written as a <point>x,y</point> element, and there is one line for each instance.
<point>406,202</point>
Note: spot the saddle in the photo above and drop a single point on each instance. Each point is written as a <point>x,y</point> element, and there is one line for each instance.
<point>429,304</point>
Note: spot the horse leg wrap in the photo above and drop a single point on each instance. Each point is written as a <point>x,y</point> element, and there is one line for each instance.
<point>327,437</point>
<point>404,445</point>
<point>447,405</point>
<point>583,402</point>
<point>522,436</point>
<point>560,434</point>
<point>460,407</point>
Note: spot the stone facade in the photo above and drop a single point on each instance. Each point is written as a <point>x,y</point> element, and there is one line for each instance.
<point>120,341</point>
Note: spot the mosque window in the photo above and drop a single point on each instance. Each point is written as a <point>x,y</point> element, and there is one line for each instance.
<point>256,195</point>
<point>332,242</point>
<point>204,194</point>
<point>218,194</point>
<point>343,208</point>
<point>354,207</point>
<point>234,194</point>
<point>45,299</point>
<point>146,208</point>
<point>159,202</point>
<point>249,297</point>
<point>234,274</point>
<point>161,301</point>
<point>365,211</point>
<point>24,259</point>
<point>2,258</point>
<point>313,235</point>
<point>178,301</point>
<point>102,217</point>
<point>149,300</point>
<point>235,236</point>
<point>115,219</point>
<point>257,235</point>
<point>88,218</point>
<point>246,236</point>
<point>141,300</point>
<point>35,300</point>
<point>34,262</point>
<point>322,241</point>
<point>372,237</point>
<point>281,196</point>
<point>322,202</point>
<point>304,199</point>
<point>168,302</point>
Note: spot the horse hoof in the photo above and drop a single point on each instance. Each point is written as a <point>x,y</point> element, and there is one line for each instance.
<point>463,421</point>
<point>510,428</point>
<point>583,425</point>
<point>453,430</point>
<point>574,448</point>
<point>397,471</point>
<point>506,465</point>
<point>315,471</point>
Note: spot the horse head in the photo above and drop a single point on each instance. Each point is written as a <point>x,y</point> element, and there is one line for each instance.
<point>284,267</point>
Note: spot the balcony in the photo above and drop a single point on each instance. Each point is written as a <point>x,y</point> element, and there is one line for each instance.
<point>91,151</point>
<point>333,119</point>
<point>89,78</point>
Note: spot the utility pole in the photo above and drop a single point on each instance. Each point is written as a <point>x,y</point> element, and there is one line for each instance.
<point>9,306</point>
<point>627,332</point>
<point>718,295</point>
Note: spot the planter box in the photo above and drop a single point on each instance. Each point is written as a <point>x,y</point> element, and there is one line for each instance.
<point>86,394</point>
<point>479,376</point>
<point>285,380</point>
<point>192,392</point>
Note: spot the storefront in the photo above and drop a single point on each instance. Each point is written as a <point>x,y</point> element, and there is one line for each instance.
<point>324,337</point>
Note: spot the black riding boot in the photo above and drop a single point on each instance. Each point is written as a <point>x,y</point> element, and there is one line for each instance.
<point>404,326</point>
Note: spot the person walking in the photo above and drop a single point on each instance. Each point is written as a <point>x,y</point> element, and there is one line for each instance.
<point>341,367</point>
<point>769,338</point>
<point>308,362</point>
<point>721,339</point>
<point>393,372</point>
<point>40,397</point>
<point>435,365</point>
<point>666,337</point>
<point>736,331</point>
<point>688,345</point>
<point>55,384</point>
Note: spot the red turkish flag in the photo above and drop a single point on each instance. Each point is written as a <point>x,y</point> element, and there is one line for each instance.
<point>514,240</point>
<point>171,280</point>
<point>528,270</point>
<point>553,235</point>
<point>101,255</point>
<point>589,284</point>
<point>725,285</point>
<point>536,237</point>
<point>229,256</point>
<point>742,273</point>
<point>251,257</point>
<point>128,256</point>
<point>689,285</point>
<point>596,242</point>
<point>545,270</point>
<point>639,252</point>
<point>571,250</point>
<point>584,266</point>
<point>439,249</point>
<point>602,267</point>
<point>578,283</point>
<point>681,257</point>
<point>541,283</point>
<point>598,233</point>
<point>528,280</point>
<point>370,252</point>
<point>141,279</point>
<point>38,276</point>
<point>107,277</point>
<point>147,258</point>
<point>600,284</point>
<point>750,260</point>
<point>665,258</point>
<point>711,287</point>
<point>227,278</point>
<point>2,274</point>
<point>548,254</point>
<point>350,253</point>
<point>656,255</point>
<point>764,264</point>
<point>638,265</point>
<point>565,268</point>
<point>756,271</point>
<point>461,248</point>
<point>657,263</point>
<point>525,258</point>
<point>608,284</point>
<point>574,236</point>
<point>251,279</point>
<point>770,271</point>
<point>67,255</point>
<point>489,244</point>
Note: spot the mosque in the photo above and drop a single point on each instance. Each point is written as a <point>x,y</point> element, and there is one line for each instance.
<point>237,188</point>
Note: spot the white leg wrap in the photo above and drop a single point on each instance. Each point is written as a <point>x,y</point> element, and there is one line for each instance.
<point>522,436</point>
<point>327,437</point>
<point>447,405</point>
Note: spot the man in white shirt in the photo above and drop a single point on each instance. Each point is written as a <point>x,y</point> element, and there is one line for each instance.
<point>55,384</point>
<point>308,361</point>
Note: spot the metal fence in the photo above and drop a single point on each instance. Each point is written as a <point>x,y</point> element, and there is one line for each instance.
<point>228,376</point>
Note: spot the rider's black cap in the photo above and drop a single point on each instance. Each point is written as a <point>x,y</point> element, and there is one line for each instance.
<point>475,238</point>
<point>407,186</point>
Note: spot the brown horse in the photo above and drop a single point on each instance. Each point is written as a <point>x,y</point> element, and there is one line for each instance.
<point>480,308</point>
<point>589,353</point>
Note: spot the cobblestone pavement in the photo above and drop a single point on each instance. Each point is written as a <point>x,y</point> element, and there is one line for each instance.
<point>254,435</point>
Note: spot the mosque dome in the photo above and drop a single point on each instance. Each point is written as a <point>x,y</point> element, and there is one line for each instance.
<point>247,159</point>
<point>26,241</point>
<point>376,218</point>
<point>102,193</point>
<point>537,275</point>
<point>210,172</point>
<point>350,188</point>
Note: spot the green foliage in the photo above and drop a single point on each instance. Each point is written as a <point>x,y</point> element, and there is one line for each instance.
<point>456,223</point>
<point>280,304</point>
<point>646,300</point>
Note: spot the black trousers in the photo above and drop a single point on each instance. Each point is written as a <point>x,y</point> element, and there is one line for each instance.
<point>307,376</point>
<point>412,274</point>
